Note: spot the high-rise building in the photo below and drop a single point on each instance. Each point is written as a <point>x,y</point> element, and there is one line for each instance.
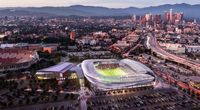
<point>166,17</point>
<point>195,21</point>
<point>148,17</point>
<point>143,20</point>
<point>72,35</point>
<point>134,18</point>
<point>178,16</point>
<point>157,19</point>
<point>171,15</point>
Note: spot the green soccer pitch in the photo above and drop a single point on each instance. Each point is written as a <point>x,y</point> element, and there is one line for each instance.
<point>111,72</point>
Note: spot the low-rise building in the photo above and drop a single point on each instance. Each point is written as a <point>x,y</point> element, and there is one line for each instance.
<point>50,49</point>
<point>176,48</point>
<point>192,49</point>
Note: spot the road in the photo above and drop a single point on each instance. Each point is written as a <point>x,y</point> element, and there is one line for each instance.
<point>85,93</point>
<point>154,46</point>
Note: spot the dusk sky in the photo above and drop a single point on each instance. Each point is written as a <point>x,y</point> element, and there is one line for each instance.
<point>105,3</point>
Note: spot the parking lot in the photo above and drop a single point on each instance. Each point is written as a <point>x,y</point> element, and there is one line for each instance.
<point>165,99</point>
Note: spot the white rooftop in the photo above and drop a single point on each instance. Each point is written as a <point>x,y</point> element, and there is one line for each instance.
<point>59,68</point>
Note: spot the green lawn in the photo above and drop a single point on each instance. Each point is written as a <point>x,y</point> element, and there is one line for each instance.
<point>111,72</point>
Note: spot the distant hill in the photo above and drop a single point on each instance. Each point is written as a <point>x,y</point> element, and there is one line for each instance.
<point>79,10</point>
<point>13,12</point>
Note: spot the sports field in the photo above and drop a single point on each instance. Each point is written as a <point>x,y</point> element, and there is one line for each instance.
<point>111,72</point>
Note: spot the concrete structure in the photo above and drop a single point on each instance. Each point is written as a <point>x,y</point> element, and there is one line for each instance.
<point>166,17</point>
<point>121,44</point>
<point>176,48</point>
<point>59,71</point>
<point>16,59</point>
<point>50,49</point>
<point>62,71</point>
<point>132,74</point>
<point>72,35</point>
<point>193,49</point>
<point>171,15</point>
<point>190,84</point>
<point>155,48</point>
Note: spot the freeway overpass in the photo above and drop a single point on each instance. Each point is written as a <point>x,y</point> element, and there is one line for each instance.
<point>155,47</point>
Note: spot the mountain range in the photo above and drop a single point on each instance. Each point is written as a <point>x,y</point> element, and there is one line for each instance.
<point>80,10</point>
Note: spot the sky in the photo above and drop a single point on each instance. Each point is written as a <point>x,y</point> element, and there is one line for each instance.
<point>104,3</point>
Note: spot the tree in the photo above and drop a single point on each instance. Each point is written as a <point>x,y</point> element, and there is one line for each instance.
<point>27,101</point>
<point>20,102</point>
<point>55,97</point>
<point>66,96</point>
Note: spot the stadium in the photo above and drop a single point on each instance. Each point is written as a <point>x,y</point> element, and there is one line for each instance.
<point>16,59</point>
<point>109,74</point>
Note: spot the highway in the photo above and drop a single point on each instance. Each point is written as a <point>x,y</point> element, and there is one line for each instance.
<point>154,46</point>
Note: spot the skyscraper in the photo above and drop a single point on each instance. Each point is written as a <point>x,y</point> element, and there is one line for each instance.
<point>72,35</point>
<point>178,16</point>
<point>157,19</point>
<point>143,20</point>
<point>134,18</point>
<point>166,17</point>
<point>148,17</point>
<point>171,15</point>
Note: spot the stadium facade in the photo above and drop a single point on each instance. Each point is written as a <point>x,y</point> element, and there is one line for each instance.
<point>109,74</point>
<point>16,59</point>
<point>103,74</point>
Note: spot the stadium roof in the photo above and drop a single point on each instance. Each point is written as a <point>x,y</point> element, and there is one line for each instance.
<point>136,74</point>
<point>59,68</point>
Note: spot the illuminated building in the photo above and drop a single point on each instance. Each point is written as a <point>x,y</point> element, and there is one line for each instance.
<point>178,17</point>
<point>72,35</point>
<point>166,17</point>
<point>171,15</point>
<point>109,74</point>
<point>157,19</point>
